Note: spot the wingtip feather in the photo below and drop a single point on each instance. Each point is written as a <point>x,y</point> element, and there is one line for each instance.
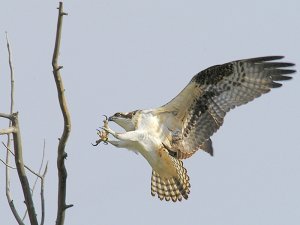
<point>265,58</point>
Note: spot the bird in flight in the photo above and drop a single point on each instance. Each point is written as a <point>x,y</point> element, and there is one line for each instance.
<point>166,135</point>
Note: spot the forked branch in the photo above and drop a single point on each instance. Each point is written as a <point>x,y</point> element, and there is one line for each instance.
<point>41,177</point>
<point>61,153</point>
<point>17,152</point>
<point>20,166</point>
<point>21,170</point>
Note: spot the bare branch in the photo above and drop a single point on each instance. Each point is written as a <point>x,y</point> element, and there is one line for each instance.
<point>8,149</point>
<point>7,130</point>
<point>7,116</point>
<point>12,80</point>
<point>42,177</point>
<point>26,167</point>
<point>69,206</point>
<point>10,167</point>
<point>15,212</point>
<point>21,170</point>
<point>42,195</point>
<point>7,174</point>
<point>61,154</point>
<point>37,177</point>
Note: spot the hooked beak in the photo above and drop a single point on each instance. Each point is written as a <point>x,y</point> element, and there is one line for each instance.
<point>111,118</point>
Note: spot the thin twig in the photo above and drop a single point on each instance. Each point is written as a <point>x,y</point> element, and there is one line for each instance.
<point>12,80</point>
<point>61,154</point>
<point>26,167</point>
<point>42,195</point>
<point>42,177</point>
<point>7,174</point>
<point>11,167</point>
<point>8,149</point>
<point>37,177</point>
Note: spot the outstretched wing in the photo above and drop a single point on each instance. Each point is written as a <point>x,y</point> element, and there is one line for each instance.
<point>199,109</point>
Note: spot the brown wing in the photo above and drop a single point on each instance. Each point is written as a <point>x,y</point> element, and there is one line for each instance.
<point>200,108</point>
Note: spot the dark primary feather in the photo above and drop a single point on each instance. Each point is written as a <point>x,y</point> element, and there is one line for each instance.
<point>214,91</point>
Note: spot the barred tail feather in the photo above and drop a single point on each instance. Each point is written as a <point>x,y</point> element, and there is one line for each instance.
<point>174,188</point>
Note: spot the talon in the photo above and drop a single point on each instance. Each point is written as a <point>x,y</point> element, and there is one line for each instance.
<point>105,121</point>
<point>106,118</point>
<point>103,133</point>
<point>97,142</point>
<point>105,129</point>
<point>102,138</point>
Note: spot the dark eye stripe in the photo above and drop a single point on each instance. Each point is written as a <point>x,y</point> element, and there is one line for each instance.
<point>127,116</point>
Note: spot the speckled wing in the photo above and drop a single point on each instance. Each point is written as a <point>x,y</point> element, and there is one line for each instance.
<point>200,108</point>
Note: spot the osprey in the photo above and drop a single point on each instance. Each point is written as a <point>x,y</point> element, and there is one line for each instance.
<point>175,131</point>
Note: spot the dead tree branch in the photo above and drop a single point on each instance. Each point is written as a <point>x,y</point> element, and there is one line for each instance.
<point>26,167</point>
<point>7,165</point>
<point>42,177</point>
<point>61,153</point>
<point>35,182</point>
<point>7,116</point>
<point>42,195</point>
<point>7,131</point>
<point>7,174</point>
<point>14,129</point>
<point>21,170</point>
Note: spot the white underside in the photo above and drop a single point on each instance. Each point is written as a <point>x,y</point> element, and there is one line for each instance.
<point>146,139</point>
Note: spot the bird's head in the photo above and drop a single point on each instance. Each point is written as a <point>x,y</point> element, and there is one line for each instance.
<point>125,120</point>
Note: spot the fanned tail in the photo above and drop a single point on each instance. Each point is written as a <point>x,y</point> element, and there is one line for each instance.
<point>174,188</point>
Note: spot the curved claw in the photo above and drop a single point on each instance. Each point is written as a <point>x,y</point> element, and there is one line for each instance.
<point>106,118</point>
<point>94,144</point>
<point>97,142</point>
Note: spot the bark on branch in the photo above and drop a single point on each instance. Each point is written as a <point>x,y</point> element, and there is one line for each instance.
<point>7,130</point>
<point>61,153</point>
<point>21,170</point>
<point>7,116</point>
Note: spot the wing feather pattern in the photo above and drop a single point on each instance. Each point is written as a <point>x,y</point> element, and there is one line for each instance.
<point>199,109</point>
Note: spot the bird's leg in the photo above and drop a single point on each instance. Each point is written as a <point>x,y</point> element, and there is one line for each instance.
<point>107,130</point>
<point>117,143</point>
<point>126,136</point>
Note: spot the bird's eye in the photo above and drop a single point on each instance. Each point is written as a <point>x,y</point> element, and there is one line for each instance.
<point>118,114</point>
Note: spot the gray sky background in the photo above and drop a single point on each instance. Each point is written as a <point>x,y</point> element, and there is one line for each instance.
<point>127,55</point>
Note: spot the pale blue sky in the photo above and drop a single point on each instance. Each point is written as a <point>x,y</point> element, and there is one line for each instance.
<point>127,55</point>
